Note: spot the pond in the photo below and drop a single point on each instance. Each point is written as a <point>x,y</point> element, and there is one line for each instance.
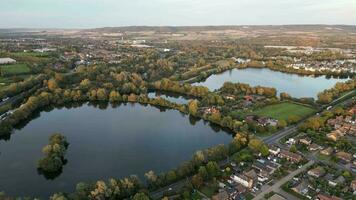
<point>295,85</point>
<point>175,98</point>
<point>114,141</point>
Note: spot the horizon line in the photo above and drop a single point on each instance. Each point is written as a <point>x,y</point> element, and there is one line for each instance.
<point>173,26</point>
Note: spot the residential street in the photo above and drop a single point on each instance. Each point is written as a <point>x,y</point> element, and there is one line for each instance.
<point>282,181</point>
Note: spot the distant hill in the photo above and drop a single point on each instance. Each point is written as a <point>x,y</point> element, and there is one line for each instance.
<point>173,29</point>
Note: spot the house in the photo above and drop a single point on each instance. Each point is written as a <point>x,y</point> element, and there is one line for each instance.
<point>4,61</point>
<point>343,156</point>
<point>326,197</point>
<point>211,110</point>
<point>240,189</point>
<point>302,188</point>
<point>335,135</point>
<point>317,172</point>
<point>314,147</point>
<point>330,179</point>
<point>353,185</point>
<point>353,167</point>
<point>293,157</point>
<point>221,196</point>
<point>229,97</point>
<point>251,174</point>
<point>291,141</point>
<point>327,152</point>
<point>352,111</point>
<point>334,181</point>
<point>340,180</point>
<point>248,98</point>
<point>265,168</point>
<point>243,180</point>
<point>305,141</point>
<point>274,150</point>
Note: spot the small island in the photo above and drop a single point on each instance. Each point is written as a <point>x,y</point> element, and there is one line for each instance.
<point>54,155</point>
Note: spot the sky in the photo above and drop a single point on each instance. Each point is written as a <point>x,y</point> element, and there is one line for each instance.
<point>113,13</point>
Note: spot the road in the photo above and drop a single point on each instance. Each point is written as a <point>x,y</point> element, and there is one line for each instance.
<point>282,181</point>
<point>21,95</point>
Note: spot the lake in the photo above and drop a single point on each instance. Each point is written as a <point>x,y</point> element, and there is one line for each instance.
<point>295,85</point>
<point>104,142</point>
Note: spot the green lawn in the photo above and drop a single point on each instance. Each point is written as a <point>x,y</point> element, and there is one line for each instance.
<point>32,54</point>
<point>284,110</point>
<point>15,69</point>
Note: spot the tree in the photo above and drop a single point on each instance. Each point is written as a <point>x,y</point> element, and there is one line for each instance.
<point>140,196</point>
<point>171,176</point>
<point>101,94</point>
<point>198,158</point>
<point>255,144</point>
<point>151,177</point>
<point>197,181</point>
<point>293,119</point>
<point>193,107</point>
<point>52,84</point>
<point>213,169</point>
<point>85,84</point>
<point>114,96</point>
<point>264,150</point>
<point>202,172</point>
<point>293,149</point>
<point>282,123</point>
<point>58,196</point>
<point>54,152</point>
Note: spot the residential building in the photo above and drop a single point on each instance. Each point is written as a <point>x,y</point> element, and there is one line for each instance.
<point>317,172</point>
<point>221,196</point>
<point>314,147</point>
<point>343,156</point>
<point>274,150</point>
<point>327,152</point>
<point>326,197</point>
<point>353,185</point>
<point>302,188</point>
<point>243,180</point>
<point>293,157</point>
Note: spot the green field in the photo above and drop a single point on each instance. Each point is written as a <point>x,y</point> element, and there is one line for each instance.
<point>284,110</point>
<point>32,54</point>
<point>15,69</point>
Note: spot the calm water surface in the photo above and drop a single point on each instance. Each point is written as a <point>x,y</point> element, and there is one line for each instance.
<point>295,85</point>
<point>111,142</point>
<point>175,98</point>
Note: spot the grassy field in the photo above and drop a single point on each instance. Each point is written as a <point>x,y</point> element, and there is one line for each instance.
<point>284,110</point>
<point>15,69</point>
<point>32,54</point>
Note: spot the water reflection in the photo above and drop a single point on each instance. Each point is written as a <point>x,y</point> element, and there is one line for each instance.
<point>106,140</point>
<point>295,85</point>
